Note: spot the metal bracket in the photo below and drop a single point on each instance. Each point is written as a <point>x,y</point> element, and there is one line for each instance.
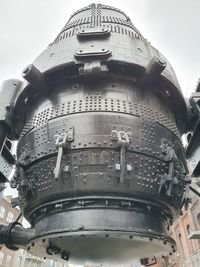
<point>92,52</point>
<point>61,143</point>
<point>186,198</point>
<point>169,180</point>
<point>123,141</point>
<point>93,32</point>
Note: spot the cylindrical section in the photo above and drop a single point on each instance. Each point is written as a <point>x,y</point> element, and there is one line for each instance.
<point>17,235</point>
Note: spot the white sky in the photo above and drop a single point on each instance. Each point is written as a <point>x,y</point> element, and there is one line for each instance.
<point>172,26</point>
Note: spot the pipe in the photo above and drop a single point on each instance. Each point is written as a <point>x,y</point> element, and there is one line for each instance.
<point>15,236</point>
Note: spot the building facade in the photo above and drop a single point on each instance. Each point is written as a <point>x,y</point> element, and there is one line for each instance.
<point>25,259</point>
<point>188,251</point>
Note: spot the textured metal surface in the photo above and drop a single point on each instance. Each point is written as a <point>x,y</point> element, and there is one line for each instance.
<point>100,160</point>
<point>8,121</point>
<point>193,148</point>
<point>7,160</point>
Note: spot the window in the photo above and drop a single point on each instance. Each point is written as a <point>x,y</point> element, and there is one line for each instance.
<point>1,257</point>
<point>10,216</point>
<point>8,258</point>
<point>2,211</point>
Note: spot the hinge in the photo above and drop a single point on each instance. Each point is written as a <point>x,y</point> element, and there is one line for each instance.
<point>61,142</point>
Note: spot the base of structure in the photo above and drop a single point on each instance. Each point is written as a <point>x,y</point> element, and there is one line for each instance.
<point>101,232</point>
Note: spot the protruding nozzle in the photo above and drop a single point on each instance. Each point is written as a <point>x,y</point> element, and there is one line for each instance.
<point>154,68</point>
<point>36,79</point>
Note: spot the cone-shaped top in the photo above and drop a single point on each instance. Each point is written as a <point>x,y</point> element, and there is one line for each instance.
<point>101,32</point>
<point>98,15</point>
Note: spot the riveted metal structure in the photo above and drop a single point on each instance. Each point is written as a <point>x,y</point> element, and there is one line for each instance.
<point>101,171</point>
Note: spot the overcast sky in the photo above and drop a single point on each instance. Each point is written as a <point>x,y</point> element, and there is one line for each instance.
<point>172,26</point>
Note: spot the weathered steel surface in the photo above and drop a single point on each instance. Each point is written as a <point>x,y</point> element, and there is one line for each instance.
<point>101,172</point>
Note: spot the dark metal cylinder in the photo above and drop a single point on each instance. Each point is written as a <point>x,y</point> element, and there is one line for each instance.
<point>15,236</point>
<point>101,160</point>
